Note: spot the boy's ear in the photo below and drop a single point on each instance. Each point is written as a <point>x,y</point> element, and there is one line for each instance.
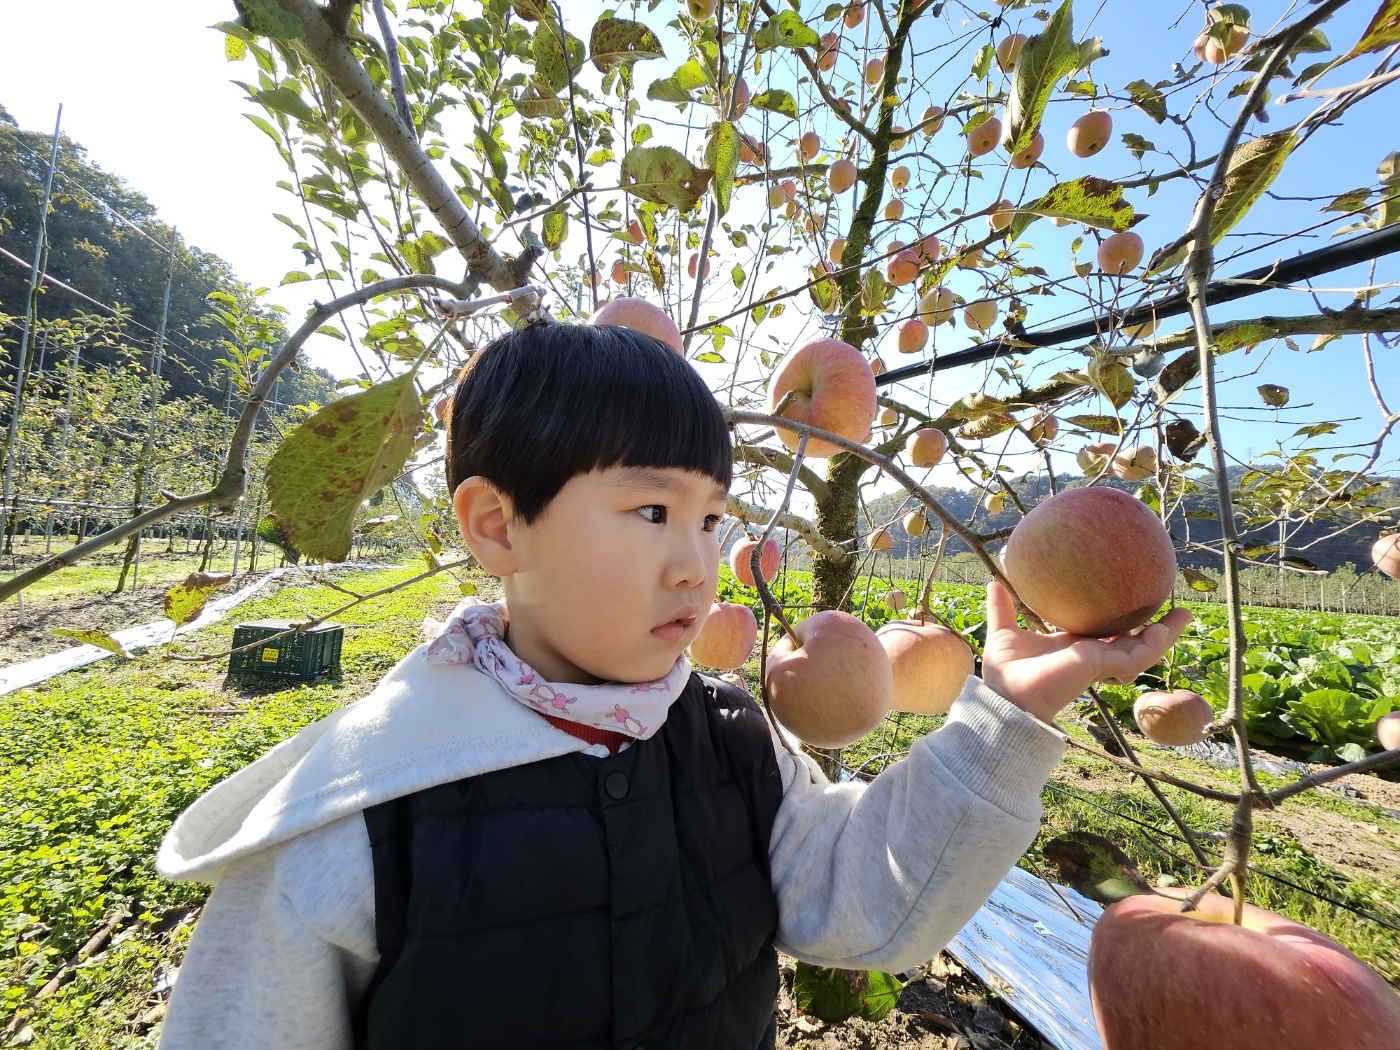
<point>484,514</point>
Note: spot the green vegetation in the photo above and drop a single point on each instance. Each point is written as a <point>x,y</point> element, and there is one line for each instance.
<point>96,764</point>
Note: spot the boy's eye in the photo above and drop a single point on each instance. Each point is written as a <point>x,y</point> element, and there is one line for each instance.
<point>656,514</point>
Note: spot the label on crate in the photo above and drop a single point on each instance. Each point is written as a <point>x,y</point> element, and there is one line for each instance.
<point>269,656</point>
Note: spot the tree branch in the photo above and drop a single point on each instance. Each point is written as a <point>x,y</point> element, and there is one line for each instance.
<point>233,482</point>
<point>755,515</point>
<point>326,47</point>
<point>781,461</point>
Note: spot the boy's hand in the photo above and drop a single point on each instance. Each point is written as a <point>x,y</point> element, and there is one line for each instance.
<point>1041,673</point>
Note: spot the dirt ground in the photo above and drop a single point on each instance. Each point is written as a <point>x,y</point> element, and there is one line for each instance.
<point>83,611</point>
<point>942,1008</point>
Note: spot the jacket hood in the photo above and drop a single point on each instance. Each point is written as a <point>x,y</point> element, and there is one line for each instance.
<point>424,724</point>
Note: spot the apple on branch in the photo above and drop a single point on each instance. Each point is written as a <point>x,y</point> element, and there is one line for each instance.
<point>833,389</point>
<point>640,316</point>
<point>929,663</point>
<point>829,681</point>
<point>727,637</point>
<point>1161,979</point>
<point>741,560</point>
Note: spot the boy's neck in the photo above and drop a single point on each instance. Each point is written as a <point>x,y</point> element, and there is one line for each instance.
<point>545,662</point>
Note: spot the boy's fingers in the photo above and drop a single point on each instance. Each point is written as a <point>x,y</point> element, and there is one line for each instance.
<point>1001,611</point>
<point>1125,658</point>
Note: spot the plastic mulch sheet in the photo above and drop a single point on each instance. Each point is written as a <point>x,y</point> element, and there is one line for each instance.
<point>1027,945</point>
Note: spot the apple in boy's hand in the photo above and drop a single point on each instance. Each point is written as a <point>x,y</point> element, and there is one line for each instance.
<point>640,316</point>
<point>930,664</point>
<point>741,560</point>
<point>1091,561</point>
<point>726,639</point>
<point>833,389</point>
<point>836,687</point>
<point>1163,980</point>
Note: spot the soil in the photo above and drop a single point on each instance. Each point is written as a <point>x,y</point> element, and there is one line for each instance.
<point>942,1007</point>
<point>100,611</point>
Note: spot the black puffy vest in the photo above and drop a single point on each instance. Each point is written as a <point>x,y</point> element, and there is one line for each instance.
<point>588,903</point>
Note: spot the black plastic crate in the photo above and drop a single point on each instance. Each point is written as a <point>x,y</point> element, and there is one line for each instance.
<point>300,657</point>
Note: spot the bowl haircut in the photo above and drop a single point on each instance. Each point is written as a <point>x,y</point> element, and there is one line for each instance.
<point>548,401</point>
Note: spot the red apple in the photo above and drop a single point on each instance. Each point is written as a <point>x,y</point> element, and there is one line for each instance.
<point>880,540</point>
<point>1090,133</point>
<point>1120,253</point>
<point>727,637</point>
<point>1026,157</point>
<point>640,316</point>
<point>836,687</point>
<point>1388,731</point>
<point>1136,464</point>
<point>929,664</point>
<point>926,446</point>
<point>841,176</point>
<point>913,336</point>
<point>741,560</point>
<point>834,390</point>
<point>1091,561</point>
<point>1385,552</point>
<point>1163,980</point>
<point>984,138</point>
<point>1043,429</point>
<point>1093,458</point>
<point>1173,717</point>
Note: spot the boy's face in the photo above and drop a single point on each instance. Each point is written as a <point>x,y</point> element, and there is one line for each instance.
<point>616,578</point>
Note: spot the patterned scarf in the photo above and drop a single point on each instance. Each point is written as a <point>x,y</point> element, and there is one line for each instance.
<point>475,634</point>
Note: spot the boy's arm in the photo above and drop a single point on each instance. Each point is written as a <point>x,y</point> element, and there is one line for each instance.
<point>283,949</point>
<point>883,875</point>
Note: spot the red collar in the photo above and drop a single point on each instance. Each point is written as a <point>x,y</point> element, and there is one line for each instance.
<point>591,734</point>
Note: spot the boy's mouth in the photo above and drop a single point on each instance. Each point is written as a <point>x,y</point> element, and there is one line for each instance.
<point>677,626</point>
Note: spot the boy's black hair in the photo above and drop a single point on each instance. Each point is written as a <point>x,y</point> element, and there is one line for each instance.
<point>549,401</point>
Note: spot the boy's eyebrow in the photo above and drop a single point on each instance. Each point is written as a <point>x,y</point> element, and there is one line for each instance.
<point>657,478</point>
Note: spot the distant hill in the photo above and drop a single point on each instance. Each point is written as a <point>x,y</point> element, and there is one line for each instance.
<point>97,253</point>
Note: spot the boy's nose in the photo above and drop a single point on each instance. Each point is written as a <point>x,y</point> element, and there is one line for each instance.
<point>688,566</point>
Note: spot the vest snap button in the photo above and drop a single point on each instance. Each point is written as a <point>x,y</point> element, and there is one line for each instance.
<point>616,787</point>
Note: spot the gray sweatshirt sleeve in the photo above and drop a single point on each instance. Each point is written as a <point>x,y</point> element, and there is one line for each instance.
<point>283,950</point>
<point>883,875</point>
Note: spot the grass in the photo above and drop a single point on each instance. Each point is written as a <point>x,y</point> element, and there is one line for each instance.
<point>97,763</point>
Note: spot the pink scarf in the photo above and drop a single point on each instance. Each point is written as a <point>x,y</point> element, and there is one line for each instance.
<point>475,634</point>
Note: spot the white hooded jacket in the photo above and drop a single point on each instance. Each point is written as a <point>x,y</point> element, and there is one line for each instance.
<point>867,876</point>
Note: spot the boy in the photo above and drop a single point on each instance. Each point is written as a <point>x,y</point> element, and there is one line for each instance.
<point>542,829</point>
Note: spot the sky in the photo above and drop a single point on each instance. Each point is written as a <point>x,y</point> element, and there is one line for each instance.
<point>146,89</point>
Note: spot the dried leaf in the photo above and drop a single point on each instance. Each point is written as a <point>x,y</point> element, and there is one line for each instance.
<point>619,41</point>
<point>663,175</point>
<point>1199,581</point>
<point>185,601</point>
<point>1088,200</point>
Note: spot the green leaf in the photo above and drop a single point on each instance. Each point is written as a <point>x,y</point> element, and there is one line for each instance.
<point>1097,424</point>
<point>1389,171</point>
<point>551,65</point>
<point>1383,31</point>
<point>539,100</point>
<point>1046,58</point>
<point>722,157</point>
<point>532,10</point>
<point>616,41</point>
<point>101,639</point>
<point>1088,200</point>
<point>1199,581</point>
<point>419,252</point>
<point>266,18</point>
<point>285,99</point>
<point>679,85</point>
<point>341,455</point>
<point>837,995</point>
<point>776,101</point>
<point>1095,867</point>
<point>1253,168</point>
<point>1113,380</point>
<point>786,30</point>
<point>185,601</point>
<point>1274,395</point>
<point>1148,98</point>
<point>295,277</point>
<point>555,227</point>
<point>663,175</point>
<point>271,533</point>
<point>823,293</point>
<point>234,48</point>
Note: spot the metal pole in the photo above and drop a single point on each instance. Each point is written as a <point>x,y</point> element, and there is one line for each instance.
<point>143,479</point>
<point>8,507</point>
<point>63,438</point>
